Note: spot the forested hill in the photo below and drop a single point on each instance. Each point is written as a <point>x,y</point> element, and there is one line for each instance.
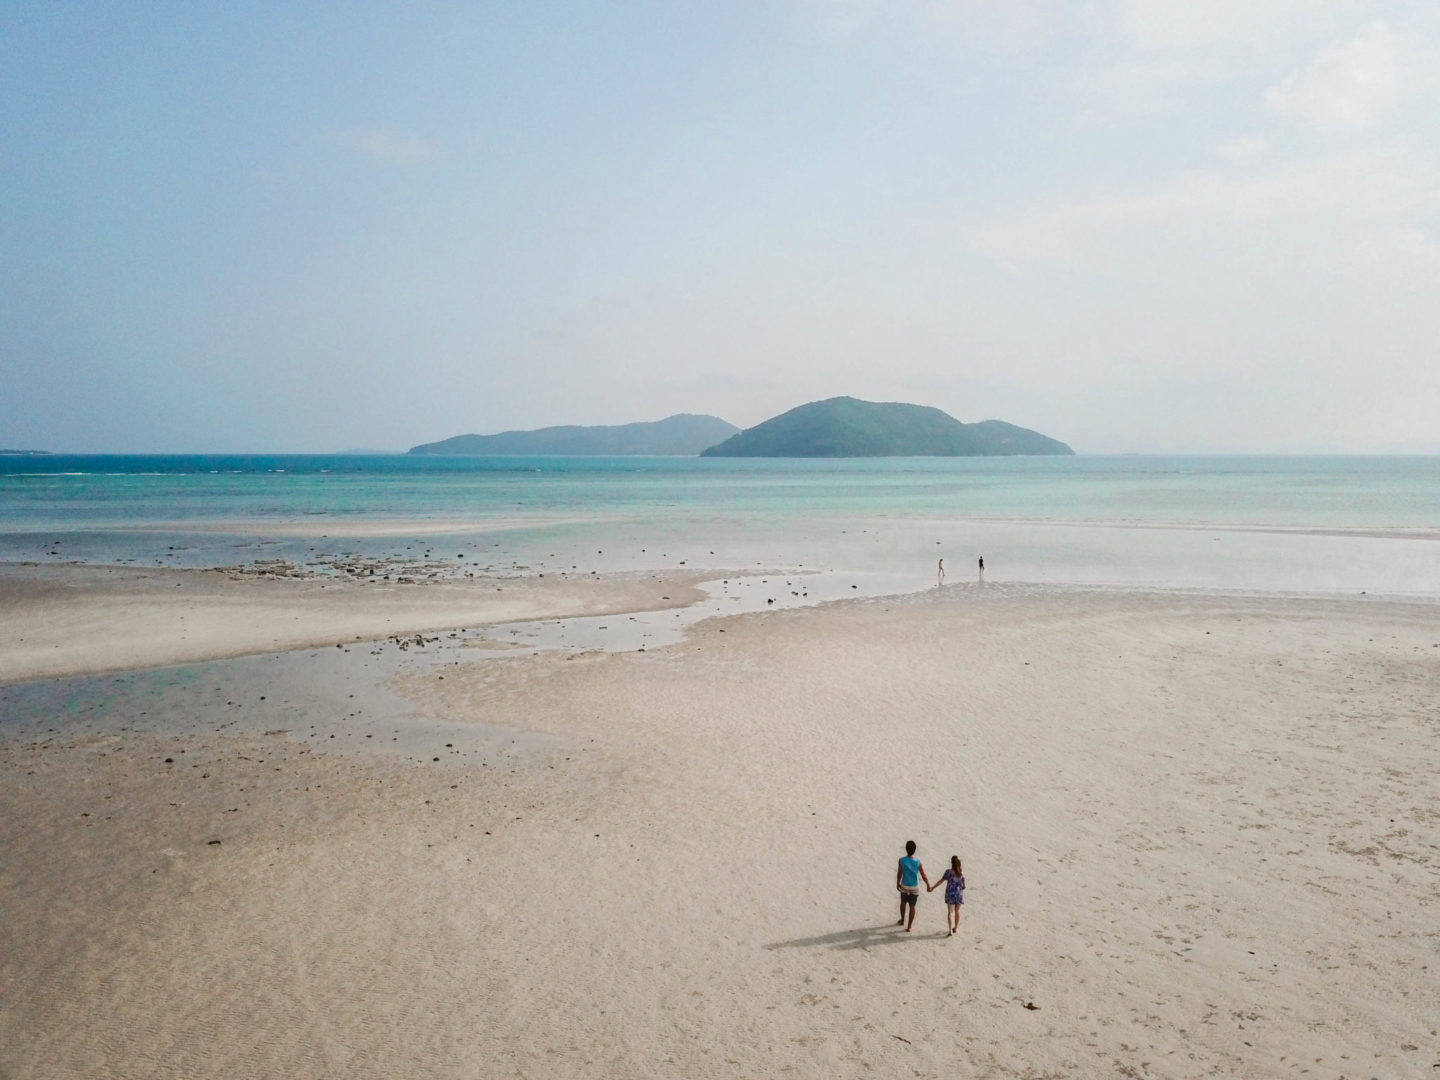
<point>684,434</point>
<point>848,427</point>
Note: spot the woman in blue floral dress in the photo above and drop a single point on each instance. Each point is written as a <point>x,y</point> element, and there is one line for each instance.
<point>954,880</point>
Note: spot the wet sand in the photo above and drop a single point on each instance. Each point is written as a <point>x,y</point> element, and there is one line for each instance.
<point>1200,835</point>
<point>77,619</point>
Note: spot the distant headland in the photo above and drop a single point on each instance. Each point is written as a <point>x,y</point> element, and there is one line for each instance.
<point>684,434</point>
<point>848,427</point>
<point>24,453</point>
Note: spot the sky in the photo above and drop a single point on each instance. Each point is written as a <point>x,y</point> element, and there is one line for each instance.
<point>1153,226</point>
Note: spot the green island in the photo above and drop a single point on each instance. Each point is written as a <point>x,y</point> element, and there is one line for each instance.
<point>848,427</point>
<point>684,434</point>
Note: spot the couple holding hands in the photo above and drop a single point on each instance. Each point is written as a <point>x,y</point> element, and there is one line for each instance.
<point>908,875</point>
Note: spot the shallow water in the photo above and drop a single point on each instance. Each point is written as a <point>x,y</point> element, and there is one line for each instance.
<point>1301,525</point>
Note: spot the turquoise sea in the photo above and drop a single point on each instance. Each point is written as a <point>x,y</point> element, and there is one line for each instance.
<point>1256,524</point>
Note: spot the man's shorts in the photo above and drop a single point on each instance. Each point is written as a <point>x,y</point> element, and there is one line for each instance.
<point>908,897</point>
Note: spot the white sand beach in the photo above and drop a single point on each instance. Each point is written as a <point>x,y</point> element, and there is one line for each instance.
<point>1200,833</point>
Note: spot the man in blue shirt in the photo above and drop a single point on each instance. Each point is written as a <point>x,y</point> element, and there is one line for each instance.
<point>908,875</point>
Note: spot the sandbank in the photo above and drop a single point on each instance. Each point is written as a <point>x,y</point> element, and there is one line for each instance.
<point>78,619</point>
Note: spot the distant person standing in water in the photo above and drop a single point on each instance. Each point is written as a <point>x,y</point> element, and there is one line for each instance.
<point>954,881</point>
<point>908,875</point>
<point>940,575</point>
<point>982,567</point>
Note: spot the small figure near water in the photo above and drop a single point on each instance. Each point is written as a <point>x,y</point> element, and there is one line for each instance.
<point>982,567</point>
<point>954,880</point>
<point>940,575</point>
<point>908,875</point>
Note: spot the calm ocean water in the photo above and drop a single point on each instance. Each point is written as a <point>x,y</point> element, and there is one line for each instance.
<point>1295,524</point>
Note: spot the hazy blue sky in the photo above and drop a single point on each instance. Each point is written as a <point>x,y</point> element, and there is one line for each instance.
<point>1146,225</point>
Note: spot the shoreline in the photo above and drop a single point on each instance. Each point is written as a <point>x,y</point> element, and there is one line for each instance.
<point>75,619</point>
<point>323,527</point>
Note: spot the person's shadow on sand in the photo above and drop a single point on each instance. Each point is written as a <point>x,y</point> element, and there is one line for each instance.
<point>861,938</point>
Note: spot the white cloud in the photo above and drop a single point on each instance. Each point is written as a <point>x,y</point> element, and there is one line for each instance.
<point>1347,88</point>
<point>1013,26</point>
<point>1148,25</point>
<point>1243,148</point>
<point>1360,188</point>
<point>395,147</point>
<point>1309,295</point>
<point>1169,24</point>
<point>841,18</point>
<point>1400,422</point>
